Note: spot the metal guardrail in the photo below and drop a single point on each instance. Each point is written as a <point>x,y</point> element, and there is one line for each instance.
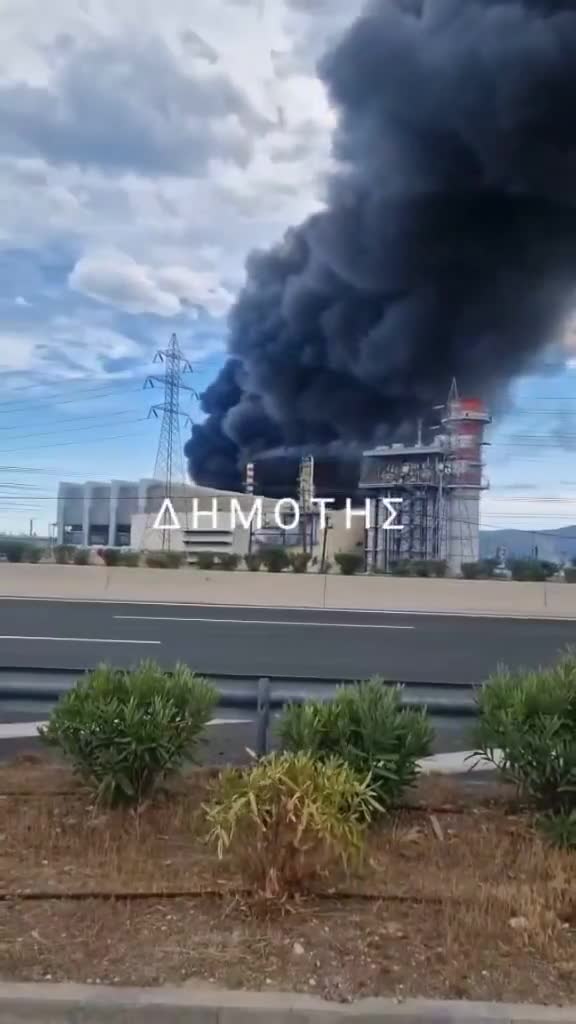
<point>258,695</point>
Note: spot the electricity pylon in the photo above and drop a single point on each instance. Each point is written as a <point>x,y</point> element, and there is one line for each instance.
<point>169,468</point>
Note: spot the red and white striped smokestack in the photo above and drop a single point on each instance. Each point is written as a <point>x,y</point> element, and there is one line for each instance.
<point>466,420</point>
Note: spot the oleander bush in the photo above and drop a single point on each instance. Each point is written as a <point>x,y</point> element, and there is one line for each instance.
<point>229,561</point>
<point>289,817</point>
<point>34,554</point>
<point>164,559</point>
<point>253,561</point>
<point>366,726</point>
<point>439,568</point>
<point>130,559</point>
<point>206,560</point>
<point>15,550</point>
<point>299,561</point>
<point>349,562</point>
<point>110,556</point>
<point>531,570</point>
<point>481,570</point>
<point>125,730</point>
<point>527,727</point>
<point>401,568</point>
<point>275,559</point>
<point>81,556</point>
<point>64,554</point>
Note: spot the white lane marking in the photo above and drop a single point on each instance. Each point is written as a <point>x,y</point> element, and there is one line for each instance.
<point>81,640</point>
<point>260,622</point>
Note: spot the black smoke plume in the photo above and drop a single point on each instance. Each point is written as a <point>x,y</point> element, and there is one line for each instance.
<point>447,247</point>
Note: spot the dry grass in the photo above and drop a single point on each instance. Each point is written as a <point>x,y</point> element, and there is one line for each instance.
<point>465,900</point>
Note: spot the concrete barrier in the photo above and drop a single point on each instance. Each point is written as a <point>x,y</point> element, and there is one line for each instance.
<point>265,590</point>
<point>83,1004</point>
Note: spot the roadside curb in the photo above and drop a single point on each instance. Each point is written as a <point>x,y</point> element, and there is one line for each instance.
<point>22,1003</point>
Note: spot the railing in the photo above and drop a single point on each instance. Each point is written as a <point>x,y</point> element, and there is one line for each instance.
<point>258,695</point>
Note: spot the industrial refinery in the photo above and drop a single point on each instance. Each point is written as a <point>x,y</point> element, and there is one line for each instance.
<point>438,488</point>
<point>434,488</point>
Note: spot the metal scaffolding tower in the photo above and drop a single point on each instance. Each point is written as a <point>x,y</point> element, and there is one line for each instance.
<point>169,468</point>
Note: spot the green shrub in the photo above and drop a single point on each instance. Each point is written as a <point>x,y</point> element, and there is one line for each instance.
<point>482,570</point>
<point>126,730</point>
<point>64,553</point>
<point>253,562</point>
<point>349,562</point>
<point>275,559</point>
<point>14,550</point>
<point>531,570</point>
<point>206,560</point>
<point>34,554</point>
<point>164,559</point>
<point>422,569</point>
<point>471,570</point>
<point>299,561</point>
<point>439,568</point>
<point>229,562</point>
<point>81,556</point>
<point>130,559</point>
<point>401,568</point>
<point>552,568</point>
<point>559,828</point>
<point>570,575</point>
<point>530,718</point>
<point>367,726</point>
<point>288,817</point>
<point>110,556</point>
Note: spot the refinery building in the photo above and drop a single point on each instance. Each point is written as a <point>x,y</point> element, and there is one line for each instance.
<point>439,484</point>
<point>436,486</point>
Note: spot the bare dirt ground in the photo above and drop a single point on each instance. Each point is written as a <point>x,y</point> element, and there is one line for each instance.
<point>458,897</point>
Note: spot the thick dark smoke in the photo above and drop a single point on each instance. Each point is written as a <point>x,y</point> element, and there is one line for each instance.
<point>447,248</point>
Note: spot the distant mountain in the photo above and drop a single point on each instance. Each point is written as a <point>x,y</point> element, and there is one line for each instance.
<point>552,545</point>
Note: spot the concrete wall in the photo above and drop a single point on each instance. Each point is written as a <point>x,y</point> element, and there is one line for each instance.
<point>375,593</point>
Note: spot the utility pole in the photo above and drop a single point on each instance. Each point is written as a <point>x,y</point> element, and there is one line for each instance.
<point>169,463</point>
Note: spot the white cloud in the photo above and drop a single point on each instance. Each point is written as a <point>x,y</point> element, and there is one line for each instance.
<point>67,348</point>
<point>198,288</point>
<point>97,117</point>
<point>118,280</point>
<point>17,352</point>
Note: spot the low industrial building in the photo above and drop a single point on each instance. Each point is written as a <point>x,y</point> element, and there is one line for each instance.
<point>126,513</point>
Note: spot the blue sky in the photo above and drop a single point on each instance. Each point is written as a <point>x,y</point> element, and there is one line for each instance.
<point>143,154</point>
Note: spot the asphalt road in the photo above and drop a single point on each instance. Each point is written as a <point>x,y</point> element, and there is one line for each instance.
<point>218,639</point>
<point>339,644</point>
